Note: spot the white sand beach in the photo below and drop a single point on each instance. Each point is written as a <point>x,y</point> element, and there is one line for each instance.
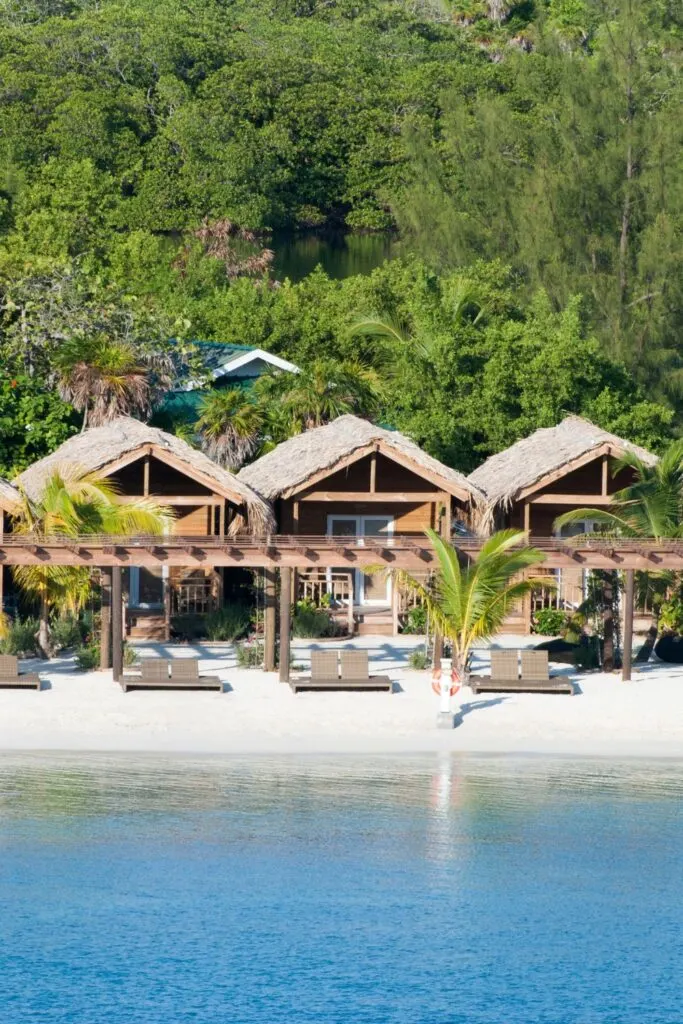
<point>257,714</point>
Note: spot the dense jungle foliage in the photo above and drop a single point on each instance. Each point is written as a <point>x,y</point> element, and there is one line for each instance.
<point>528,157</point>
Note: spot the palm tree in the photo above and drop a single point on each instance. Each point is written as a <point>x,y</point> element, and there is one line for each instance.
<point>103,379</point>
<point>72,504</point>
<point>651,508</point>
<point>469,603</point>
<point>229,427</point>
<point>327,389</point>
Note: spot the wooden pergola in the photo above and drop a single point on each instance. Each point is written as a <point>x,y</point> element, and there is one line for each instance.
<point>285,554</point>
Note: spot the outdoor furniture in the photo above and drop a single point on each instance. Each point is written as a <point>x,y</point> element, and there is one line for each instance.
<point>354,673</point>
<point>12,678</point>
<point>535,677</point>
<point>185,673</point>
<point>162,674</point>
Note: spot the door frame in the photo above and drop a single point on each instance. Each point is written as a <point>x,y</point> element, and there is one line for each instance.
<point>134,594</point>
<point>359,575</point>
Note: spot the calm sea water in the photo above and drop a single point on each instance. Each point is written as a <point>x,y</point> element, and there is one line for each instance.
<point>334,891</point>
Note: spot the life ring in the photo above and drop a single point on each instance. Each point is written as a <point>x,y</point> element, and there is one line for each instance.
<point>436,682</point>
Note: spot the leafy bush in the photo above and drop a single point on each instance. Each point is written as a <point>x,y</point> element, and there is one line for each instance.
<point>416,620</point>
<point>250,655</point>
<point>671,617</point>
<point>550,622</point>
<point>21,638</point>
<point>88,657</point>
<point>67,632</point>
<point>188,627</point>
<point>312,623</point>
<point>587,654</point>
<point>419,659</point>
<point>130,655</point>
<point>227,623</point>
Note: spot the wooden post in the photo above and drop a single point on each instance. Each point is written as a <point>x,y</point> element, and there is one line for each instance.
<point>608,623</point>
<point>373,472</point>
<point>285,622</point>
<point>269,620</point>
<point>145,477</point>
<point>351,621</point>
<point>295,530</point>
<point>394,606</point>
<point>605,474</point>
<point>526,600</point>
<point>105,619</point>
<point>628,626</point>
<point>2,568</point>
<point>166,584</point>
<point>116,623</point>
<point>221,519</point>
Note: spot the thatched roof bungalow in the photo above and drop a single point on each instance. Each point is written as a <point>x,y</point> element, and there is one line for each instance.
<point>319,453</point>
<point>563,466</point>
<point>143,460</point>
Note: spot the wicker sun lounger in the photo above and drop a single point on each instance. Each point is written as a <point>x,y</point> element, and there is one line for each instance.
<point>184,675</point>
<point>535,677</point>
<point>354,673</point>
<point>12,678</point>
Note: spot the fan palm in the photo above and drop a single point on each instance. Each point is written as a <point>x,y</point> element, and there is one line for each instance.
<point>71,505</point>
<point>229,427</point>
<point>649,508</point>
<point>327,389</point>
<point>469,603</point>
<point>103,379</point>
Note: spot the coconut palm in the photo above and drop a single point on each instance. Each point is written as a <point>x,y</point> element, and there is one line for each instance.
<point>229,427</point>
<point>103,379</point>
<point>72,505</point>
<point>469,603</point>
<point>327,389</point>
<point>649,508</point>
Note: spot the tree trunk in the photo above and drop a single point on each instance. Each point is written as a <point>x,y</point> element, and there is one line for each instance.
<point>608,625</point>
<point>43,635</point>
<point>648,647</point>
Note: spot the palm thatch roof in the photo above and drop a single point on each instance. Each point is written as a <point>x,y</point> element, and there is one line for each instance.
<point>321,450</point>
<point>98,448</point>
<point>9,495</point>
<point>503,477</point>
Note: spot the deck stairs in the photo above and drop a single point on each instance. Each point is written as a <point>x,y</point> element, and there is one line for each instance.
<point>145,624</point>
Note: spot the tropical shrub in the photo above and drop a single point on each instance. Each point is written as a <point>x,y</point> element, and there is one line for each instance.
<point>67,632</point>
<point>671,615</point>
<point>311,623</point>
<point>587,654</point>
<point>550,622</point>
<point>227,623</point>
<point>188,627</point>
<point>88,657</point>
<point>21,639</point>
<point>416,620</point>
<point>419,659</point>
<point>250,654</point>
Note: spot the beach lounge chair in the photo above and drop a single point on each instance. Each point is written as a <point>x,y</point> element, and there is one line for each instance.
<point>535,677</point>
<point>12,678</point>
<point>354,673</point>
<point>185,674</point>
<point>153,675</point>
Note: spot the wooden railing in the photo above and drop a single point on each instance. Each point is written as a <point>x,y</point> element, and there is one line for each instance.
<point>320,586</point>
<point>193,598</point>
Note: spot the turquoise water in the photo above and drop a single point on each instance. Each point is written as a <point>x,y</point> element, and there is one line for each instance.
<point>334,891</point>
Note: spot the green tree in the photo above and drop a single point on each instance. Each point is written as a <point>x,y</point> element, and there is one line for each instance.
<point>468,604</point>
<point>73,505</point>
<point>650,508</point>
<point>229,426</point>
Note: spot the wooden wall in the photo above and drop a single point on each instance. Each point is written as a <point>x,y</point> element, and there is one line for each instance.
<point>409,519</point>
<point>193,520</point>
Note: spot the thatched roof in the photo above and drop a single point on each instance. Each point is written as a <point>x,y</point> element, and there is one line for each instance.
<point>100,447</point>
<point>9,495</point>
<point>289,466</point>
<point>528,462</point>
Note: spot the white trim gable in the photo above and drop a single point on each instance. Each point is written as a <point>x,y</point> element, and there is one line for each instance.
<point>249,357</point>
